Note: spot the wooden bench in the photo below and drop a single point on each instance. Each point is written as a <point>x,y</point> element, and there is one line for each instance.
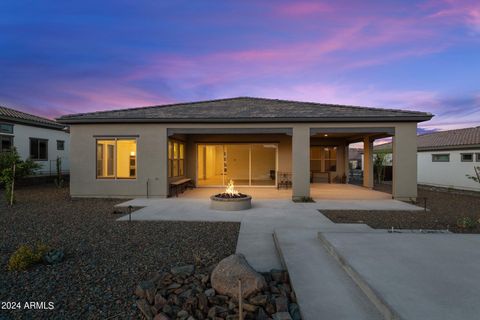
<point>180,185</point>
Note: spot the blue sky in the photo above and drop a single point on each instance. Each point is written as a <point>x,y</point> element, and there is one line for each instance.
<point>61,57</point>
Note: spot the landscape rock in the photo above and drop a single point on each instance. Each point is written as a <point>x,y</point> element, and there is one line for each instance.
<point>261,315</point>
<point>54,256</point>
<point>281,304</point>
<point>202,302</point>
<point>167,310</point>
<point>161,316</point>
<point>226,274</point>
<point>185,297</point>
<point>294,311</point>
<point>259,300</point>
<point>160,300</point>
<point>182,314</point>
<point>210,292</point>
<point>282,316</point>
<point>270,308</point>
<point>146,289</point>
<point>144,307</point>
<point>183,270</point>
<point>249,307</point>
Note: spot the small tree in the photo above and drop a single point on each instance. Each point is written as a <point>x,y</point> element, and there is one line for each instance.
<point>379,164</point>
<point>476,177</point>
<point>12,168</point>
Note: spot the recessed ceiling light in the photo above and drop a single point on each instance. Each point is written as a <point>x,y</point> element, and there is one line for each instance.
<point>326,135</point>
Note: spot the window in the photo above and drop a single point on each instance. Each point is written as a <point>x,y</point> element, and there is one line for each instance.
<point>323,159</point>
<point>445,157</point>
<point>6,143</point>
<point>117,159</point>
<point>466,157</point>
<point>6,128</point>
<point>176,158</point>
<point>331,159</point>
<point>60,145</point>
<point>38,149</point>
<point>478,157</point>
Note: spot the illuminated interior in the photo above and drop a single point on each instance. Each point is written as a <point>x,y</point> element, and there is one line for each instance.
<point>245,164</point>
<point>117,158</point>
<point>176,158</point>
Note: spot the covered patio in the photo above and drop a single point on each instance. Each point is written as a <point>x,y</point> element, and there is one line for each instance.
<point>318,191</point>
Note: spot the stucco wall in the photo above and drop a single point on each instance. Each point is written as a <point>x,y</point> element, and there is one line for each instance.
<point>151,161</point>
<point>21,141</point>
<point>152,155</point>
<point>447,174</point>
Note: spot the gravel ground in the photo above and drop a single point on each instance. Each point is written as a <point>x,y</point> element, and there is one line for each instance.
<point>446,208</point>
<point>105,259</point>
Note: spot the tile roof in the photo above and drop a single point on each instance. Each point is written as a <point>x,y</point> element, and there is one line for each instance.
<point>246,109</point>
<point>11,115</point>
<point>444,140</point>
<point>450,138</point>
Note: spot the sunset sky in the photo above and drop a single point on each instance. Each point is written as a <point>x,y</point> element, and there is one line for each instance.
<point>57,57</point>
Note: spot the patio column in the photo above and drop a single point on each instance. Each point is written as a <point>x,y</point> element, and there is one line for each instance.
<point>404,184</point>
<point>347,162</point>
<point>368,162</point>
<point>301,162</point>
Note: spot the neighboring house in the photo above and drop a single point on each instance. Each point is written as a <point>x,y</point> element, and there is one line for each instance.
<point>40,139</point>
<point>446,157</point>
<point>140,151</point>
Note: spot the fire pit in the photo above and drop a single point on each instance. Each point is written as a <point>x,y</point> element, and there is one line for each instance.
<point>230,200</point>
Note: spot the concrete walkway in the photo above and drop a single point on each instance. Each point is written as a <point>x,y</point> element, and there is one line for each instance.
<point>323,289</point>
<point>346,271</point>
<point>415,276</point>
<point>255,239</point>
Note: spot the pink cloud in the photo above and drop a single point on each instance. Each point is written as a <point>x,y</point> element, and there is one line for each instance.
<point>302,8</point>
<point>359,36</point>
<point>457,11</point>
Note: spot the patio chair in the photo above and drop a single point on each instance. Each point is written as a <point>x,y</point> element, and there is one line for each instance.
<point>284,180</point>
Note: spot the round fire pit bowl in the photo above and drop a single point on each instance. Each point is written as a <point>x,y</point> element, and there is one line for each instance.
<point>223,202</point>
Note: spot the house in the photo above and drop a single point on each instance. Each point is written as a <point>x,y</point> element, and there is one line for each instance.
<point>139,152</point>
<point>40,139</point>
<point>446,157</point>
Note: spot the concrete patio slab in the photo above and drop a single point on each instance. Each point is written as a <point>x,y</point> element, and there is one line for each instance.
<point>323,290</point>
<point>366,205</point>
<point>257,224</point>
<point>417,276</point>
<point>318,191</point>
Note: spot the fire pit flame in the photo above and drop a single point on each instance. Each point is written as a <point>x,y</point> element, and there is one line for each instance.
<point>230,200</point>
<point>230,190</point>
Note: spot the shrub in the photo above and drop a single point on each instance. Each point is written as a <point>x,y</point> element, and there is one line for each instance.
<point>466,223</point>
<point>25,256</point>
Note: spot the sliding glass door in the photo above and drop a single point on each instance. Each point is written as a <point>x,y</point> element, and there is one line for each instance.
<point>245,164</point>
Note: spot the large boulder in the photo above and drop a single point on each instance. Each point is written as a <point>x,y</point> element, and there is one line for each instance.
<point>226,274</point>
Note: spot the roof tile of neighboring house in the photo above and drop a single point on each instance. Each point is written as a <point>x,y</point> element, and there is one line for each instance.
<point>246,109</point>
<point>11,115</point>
<point>444,140</point>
